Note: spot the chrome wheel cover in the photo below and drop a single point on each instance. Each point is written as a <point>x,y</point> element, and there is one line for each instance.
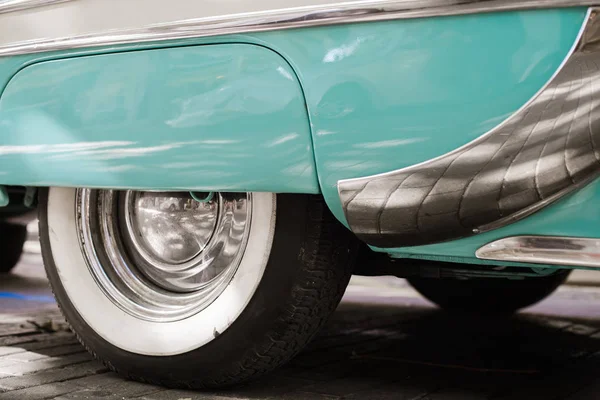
<point>162,256</point>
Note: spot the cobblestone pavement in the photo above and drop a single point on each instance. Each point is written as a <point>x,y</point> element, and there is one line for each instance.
<point>384,342</point>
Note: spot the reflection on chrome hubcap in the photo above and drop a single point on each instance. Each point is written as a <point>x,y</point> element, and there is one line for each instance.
<point>169,230</point>
<point>162,256</point>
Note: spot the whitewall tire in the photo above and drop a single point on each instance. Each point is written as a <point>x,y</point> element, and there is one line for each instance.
<point>294,263</point>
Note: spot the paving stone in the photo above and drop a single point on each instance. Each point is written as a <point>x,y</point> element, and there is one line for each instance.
<point>20,368</point>
<point>321,373</point>
<point>305,396</point>
<point>187,395</point>
<point>377,346</point>
<point>388,391</point>
<point>17,330</point>
<point>115,384</point>
<point>43,353</point>
<point>88,394</point>
<point>42,343</point>
<point>54,375</point>
<point>268,386</point>
<point>47,391</point>
<point>344,386</point>
<point>454,394</point>
<point>556,384</point>
<point>35,338</point>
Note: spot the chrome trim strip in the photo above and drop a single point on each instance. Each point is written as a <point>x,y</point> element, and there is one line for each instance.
<point>299,14</point>
<point>567,251</point>
<point>7,6</point>
<point>545,150</point>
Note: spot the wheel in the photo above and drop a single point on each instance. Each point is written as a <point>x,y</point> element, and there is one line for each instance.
<point>11,246</point>
<point>492,295</point>
<point>172,291</point>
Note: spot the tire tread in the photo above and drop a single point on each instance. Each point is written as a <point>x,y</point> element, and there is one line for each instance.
<point>326,269</point>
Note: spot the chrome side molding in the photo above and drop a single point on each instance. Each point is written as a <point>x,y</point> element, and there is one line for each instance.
<point>7,6</point>
<point>544,151</point>
<point>568,251</point>
<point>182,19</point>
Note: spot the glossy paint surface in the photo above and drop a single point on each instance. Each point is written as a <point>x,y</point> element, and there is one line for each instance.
<point>383,96</point>
<point>386,96</point>
<point>211,117</point>
<point>380,96</point>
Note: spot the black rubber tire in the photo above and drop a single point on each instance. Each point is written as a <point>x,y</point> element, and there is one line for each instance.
<point>308,270</point>
<point>11,246</point>
<point>488,295</point>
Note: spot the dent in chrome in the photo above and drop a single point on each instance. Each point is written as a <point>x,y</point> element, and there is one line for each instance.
<point>545,150</point>
<point>158,20</point>
<point>553,250</point>
<point>224,117</point>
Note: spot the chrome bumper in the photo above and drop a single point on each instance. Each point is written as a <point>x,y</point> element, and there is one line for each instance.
<point>564,251</point>
<point>546,150</point>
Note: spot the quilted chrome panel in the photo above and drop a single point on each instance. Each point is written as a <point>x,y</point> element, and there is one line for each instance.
<point>548,148</point>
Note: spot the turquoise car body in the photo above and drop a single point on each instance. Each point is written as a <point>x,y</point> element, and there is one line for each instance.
<point>291,111</point>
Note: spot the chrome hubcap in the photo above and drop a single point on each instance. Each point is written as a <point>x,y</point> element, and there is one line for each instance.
<point>169,230</point>
<point>162,256</point>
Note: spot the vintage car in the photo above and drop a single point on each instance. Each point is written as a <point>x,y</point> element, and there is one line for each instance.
<point>208,174</point>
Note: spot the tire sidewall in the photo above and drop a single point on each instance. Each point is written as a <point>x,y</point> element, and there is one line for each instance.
<point>247,332</point>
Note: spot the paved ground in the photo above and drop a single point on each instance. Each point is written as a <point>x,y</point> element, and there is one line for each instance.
<point>384,342</point>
